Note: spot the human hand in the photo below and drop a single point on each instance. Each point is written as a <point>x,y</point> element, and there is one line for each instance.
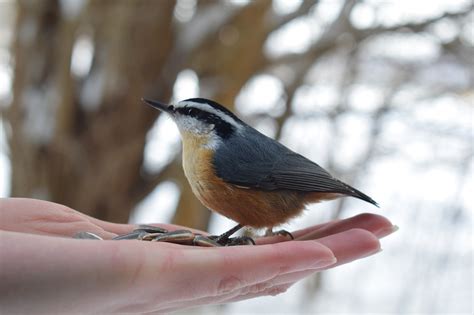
<point>41,264</point>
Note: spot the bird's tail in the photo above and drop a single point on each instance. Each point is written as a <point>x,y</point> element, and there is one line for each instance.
<point>360,195</point>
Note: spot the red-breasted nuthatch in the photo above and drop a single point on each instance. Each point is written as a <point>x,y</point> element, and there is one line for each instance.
<point>244,175</point>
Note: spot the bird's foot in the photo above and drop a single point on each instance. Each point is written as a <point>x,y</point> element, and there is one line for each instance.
<point>232,241</point>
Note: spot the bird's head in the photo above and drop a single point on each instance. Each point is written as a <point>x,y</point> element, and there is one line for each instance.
<point>199,117</point>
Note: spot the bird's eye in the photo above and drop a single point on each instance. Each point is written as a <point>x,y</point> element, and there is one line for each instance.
<point>191,111</point>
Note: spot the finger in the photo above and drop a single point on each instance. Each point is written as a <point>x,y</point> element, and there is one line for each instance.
<point>376,224</point>
<point>44,218</point>
<point>351,245</point>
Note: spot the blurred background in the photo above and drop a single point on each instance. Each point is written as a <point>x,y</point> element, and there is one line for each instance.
<point>380,93</point>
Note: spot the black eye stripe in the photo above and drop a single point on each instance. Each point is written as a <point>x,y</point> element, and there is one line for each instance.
<point>222,127</point>
<point>193,112</point>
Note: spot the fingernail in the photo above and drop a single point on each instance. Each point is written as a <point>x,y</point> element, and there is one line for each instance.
<point>324,263</point>
<point>387,231</point>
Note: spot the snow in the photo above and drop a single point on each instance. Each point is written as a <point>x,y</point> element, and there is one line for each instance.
<point>283,40</point>
<point>314,98</point>
<point>71,8</point>
<point>363,16</point>
<point>365,98</point>
<point>391,13</point>
<point>82,54</point>
<point>184,10</point>
<point>419,48</point>
<point>282,7</point>
<point>327,11</point>
<point>261,94</point>
<point>93,90</point>
<point>186,86</point>
<point>40,111</point>
<point>445,30</point>
<point>5,81</point>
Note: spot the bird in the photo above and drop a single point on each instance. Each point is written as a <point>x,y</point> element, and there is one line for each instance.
<point>240,173</point>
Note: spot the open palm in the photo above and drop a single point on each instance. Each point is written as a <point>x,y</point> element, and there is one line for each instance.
<point>43,265</point>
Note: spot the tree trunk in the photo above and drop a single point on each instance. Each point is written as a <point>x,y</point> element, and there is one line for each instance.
<point>68,148</point>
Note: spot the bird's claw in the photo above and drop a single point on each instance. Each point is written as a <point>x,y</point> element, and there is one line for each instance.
<point>240,240</point>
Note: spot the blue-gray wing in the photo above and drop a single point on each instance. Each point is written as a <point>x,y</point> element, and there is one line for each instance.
<point>255,161</point>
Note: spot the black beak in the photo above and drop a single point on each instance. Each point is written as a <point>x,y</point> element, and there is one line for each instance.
<point>161,106</point>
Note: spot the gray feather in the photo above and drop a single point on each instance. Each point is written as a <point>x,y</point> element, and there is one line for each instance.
<point>255,161</point>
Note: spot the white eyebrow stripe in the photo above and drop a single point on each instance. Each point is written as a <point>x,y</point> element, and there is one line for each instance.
<point>208,108</point>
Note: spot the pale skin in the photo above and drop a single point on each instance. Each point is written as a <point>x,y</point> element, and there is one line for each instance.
<point>44,270</point>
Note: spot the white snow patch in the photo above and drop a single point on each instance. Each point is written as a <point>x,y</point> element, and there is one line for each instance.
<point>71,8</point>
<point>404,47</point>
<point>365,98</point>
<point>93,90</point>
<point>82,54</point>
<point>446,29</point>
<point>186,86</point>
<point>40,111</point>
<point>184,10</point>
<point>363,16</point>
<point>5,81</point>
<point>310,99</point>
<point>294,37</point>
<point>262,94</point>
<point>283,7</point>
<point>327,11</point>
